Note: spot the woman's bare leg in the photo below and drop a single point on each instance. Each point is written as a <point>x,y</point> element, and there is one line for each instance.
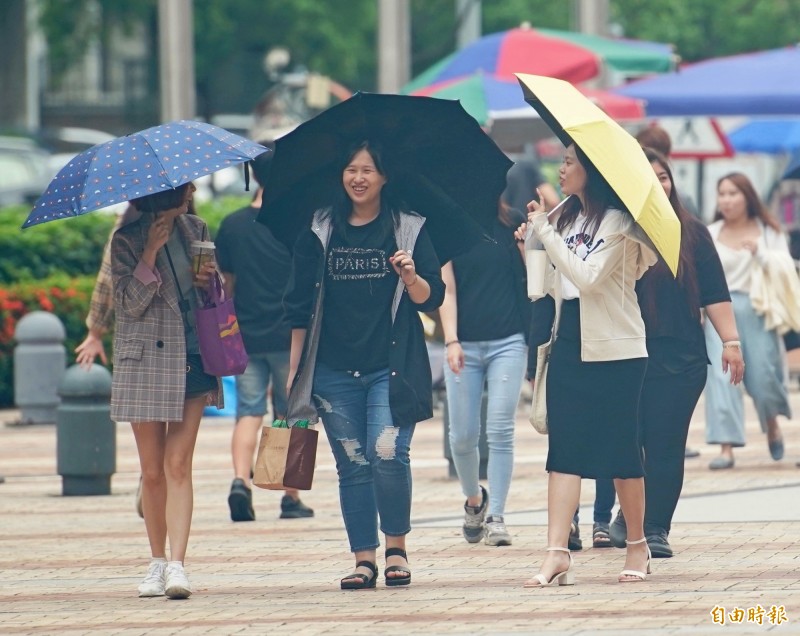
<point>631,500</point>
<point>179,451</point>
<point>150,441</point>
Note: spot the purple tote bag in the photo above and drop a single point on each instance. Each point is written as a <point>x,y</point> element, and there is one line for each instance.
<point>221,344</point>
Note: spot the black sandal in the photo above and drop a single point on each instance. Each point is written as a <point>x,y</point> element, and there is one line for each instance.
<point>600,536</point>
<point>358,581</point>
<point>392,581</point>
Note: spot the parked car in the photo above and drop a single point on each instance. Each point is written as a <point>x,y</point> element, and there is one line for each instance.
<point>24,171</point>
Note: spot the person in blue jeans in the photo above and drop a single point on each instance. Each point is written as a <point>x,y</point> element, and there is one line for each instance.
<point>484,319</point>
<point>358,347</point>
<point>256,269</point>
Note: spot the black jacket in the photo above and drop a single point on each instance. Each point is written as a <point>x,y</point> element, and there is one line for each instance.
<point>410,382</point>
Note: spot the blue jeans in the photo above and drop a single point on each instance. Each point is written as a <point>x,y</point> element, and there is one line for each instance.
<point>371,453</point>
<point>501,364</point>
<point>252,385</point>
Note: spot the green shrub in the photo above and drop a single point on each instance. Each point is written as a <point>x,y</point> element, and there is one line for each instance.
<point>52,267</point>
<point>67,298</point>
<point>73,246</point>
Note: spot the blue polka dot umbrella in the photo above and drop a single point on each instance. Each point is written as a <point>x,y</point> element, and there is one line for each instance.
<point>152,160</point>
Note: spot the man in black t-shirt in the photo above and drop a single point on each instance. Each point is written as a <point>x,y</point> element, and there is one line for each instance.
<point>256,267</point>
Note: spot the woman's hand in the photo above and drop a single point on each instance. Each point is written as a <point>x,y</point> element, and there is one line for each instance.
<point>537,216</point>
<point>455,357</point>
<point>403,264</point>
<point>732,360</point>
<point>205,277</point>
<point>89,349</point>
<point>157,235</point>
<point>520,232</point>
<point>750,245</point>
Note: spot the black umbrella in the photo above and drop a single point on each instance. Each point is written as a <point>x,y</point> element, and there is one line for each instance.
<point>438,159</point>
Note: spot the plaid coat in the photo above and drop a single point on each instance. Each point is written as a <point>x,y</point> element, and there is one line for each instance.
<point>149,378</point>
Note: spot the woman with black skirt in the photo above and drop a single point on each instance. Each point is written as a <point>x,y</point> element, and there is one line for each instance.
<point>598,361</point>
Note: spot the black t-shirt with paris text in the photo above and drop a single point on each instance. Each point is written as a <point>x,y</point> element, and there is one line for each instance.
<point>359,287</point>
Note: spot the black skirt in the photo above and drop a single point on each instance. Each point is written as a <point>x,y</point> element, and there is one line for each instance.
<point>592,408</point>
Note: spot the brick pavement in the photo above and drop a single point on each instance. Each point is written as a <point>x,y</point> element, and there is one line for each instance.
<point>70,565</point>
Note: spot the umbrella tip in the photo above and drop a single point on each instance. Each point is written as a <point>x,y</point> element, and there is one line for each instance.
<point>524,25</point>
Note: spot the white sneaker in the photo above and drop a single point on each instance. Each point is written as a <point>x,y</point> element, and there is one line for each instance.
<point>153,583</point>
<point>496,532</point>
<point>177,585</point>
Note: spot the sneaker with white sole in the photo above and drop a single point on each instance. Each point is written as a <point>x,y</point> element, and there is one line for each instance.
<point>153,583</point>
<point>496,532</point>
<point>473,519</point>
<point>177,585</point>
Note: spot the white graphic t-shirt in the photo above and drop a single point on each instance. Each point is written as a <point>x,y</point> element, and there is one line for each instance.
<point>581,244</point>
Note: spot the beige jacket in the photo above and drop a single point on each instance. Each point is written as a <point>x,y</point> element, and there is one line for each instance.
<point>611,323</point>
<point>774,284</point>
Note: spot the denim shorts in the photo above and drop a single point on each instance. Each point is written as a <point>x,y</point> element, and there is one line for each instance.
<point>252,385</point>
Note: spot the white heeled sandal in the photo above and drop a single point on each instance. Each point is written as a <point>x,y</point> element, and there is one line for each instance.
<point>640,576</point>
<point>567,577</point>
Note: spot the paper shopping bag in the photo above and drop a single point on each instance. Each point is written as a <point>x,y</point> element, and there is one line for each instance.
<point>286,458</point>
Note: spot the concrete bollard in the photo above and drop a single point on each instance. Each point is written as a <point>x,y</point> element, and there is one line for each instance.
<point>39,362</point>
<point>86,448</point>
<point>483,445</point>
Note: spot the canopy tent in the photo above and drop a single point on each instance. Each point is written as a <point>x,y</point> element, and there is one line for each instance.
<point>489,98</point>
<point>573,57</point>
<point>770,136</point>
<point>762,83</point>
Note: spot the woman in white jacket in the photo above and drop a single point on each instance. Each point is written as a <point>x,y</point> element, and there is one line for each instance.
<point>598,361</point>
<point>747,239</point>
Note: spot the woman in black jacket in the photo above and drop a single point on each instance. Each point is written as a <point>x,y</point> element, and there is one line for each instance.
<point>361,273</point>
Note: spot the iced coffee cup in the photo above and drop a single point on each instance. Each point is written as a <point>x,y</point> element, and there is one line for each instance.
<point>202,252</point>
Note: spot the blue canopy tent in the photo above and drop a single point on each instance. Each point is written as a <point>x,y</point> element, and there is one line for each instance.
<point>762,83</point>
<point>770,136</point>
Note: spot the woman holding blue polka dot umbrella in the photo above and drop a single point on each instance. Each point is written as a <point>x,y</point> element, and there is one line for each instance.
<point>159,383</point>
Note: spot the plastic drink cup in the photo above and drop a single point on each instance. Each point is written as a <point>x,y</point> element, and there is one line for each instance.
<point>536,265</point>
<point>202,252</point>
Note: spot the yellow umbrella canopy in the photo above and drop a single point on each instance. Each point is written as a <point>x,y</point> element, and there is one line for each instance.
<point>617,156</point>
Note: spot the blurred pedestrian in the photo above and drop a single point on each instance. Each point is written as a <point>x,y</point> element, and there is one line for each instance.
<point>597,363</point>
<point>747,237</point>
<point>677,363</point>
<point>256,268</point>
<point>485,318</point>
<point>158,383</point>
<point>655,137</point>
<point>522,181</point>
<point>366,354</point>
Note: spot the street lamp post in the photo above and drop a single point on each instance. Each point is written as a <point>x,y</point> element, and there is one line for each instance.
<point>176,59</point>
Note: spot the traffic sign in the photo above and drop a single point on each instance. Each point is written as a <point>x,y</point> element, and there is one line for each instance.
<point>696,138</point>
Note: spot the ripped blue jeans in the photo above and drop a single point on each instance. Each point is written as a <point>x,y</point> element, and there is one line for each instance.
<point>372,455</point>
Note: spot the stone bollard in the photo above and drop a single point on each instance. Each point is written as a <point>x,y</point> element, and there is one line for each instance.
<point>483,445</point>
<point>86,448</point>
<point>39,362</point>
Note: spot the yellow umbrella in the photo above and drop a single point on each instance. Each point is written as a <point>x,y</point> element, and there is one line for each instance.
<point>614,152</point>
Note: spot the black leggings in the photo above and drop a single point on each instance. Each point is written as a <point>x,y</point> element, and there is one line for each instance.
<point>665,411</point>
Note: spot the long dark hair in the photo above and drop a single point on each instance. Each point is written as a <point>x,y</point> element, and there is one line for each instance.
<point>342,208</point>
<point>598,197</point>
<point>755,208</point>
<point>687,269</point>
